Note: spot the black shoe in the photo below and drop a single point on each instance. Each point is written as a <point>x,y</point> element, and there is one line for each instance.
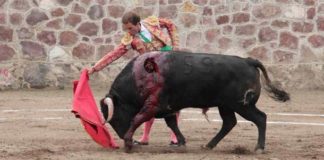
<point>135,142</point>
<point>175,144</point>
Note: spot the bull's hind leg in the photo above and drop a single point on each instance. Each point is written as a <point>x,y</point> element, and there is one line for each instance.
<point>171,121</point>
<point>229,121</point>
<point>259,118</point>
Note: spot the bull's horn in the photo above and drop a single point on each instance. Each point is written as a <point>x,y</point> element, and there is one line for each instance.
<point>108,101</point>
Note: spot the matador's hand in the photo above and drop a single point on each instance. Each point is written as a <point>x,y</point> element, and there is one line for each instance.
<point>91,71</point>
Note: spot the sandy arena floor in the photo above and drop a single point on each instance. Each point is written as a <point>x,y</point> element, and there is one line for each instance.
<point>38,124</point>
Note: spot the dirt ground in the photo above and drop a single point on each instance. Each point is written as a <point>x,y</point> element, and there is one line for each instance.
<point>38,124</point>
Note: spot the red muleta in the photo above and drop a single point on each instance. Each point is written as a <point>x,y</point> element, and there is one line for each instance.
<point>85,108</point>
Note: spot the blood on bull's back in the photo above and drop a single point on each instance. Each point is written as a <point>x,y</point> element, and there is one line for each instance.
<point>194,78</point>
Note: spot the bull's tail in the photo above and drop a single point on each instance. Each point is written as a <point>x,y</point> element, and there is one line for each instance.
<point>276,93</point>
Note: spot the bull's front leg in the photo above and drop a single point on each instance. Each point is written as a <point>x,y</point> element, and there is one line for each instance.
<point>146,113</point>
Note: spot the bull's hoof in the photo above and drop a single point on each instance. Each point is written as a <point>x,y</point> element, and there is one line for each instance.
<point>128,149</point>
<point>206,147</point>
<point>259,151</point>
<point>128,146</point>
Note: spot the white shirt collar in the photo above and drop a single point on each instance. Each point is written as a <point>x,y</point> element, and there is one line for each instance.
<point>145,32</point>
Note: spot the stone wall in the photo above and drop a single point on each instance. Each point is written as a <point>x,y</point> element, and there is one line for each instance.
<point>45,43</point>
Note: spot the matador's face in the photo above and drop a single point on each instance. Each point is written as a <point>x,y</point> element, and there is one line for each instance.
<point>131,28</point>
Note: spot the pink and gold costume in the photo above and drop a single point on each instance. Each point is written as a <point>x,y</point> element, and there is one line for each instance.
<point>159,39</point>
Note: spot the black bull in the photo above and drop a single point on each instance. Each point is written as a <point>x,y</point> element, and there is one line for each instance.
<point>158,84</point>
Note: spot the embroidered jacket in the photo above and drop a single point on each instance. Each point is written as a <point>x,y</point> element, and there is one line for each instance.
<point>159,39</point>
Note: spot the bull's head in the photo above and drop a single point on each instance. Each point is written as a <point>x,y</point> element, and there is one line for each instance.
<point>114,113</point>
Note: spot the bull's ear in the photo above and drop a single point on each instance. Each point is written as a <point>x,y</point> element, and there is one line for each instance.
<point>104,108</point>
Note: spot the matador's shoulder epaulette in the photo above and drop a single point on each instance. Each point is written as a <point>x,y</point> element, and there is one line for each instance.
<point>152,20</point>
<point>127,39</point>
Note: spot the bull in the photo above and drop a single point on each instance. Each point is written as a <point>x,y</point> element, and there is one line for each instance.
<point>159,84</point>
